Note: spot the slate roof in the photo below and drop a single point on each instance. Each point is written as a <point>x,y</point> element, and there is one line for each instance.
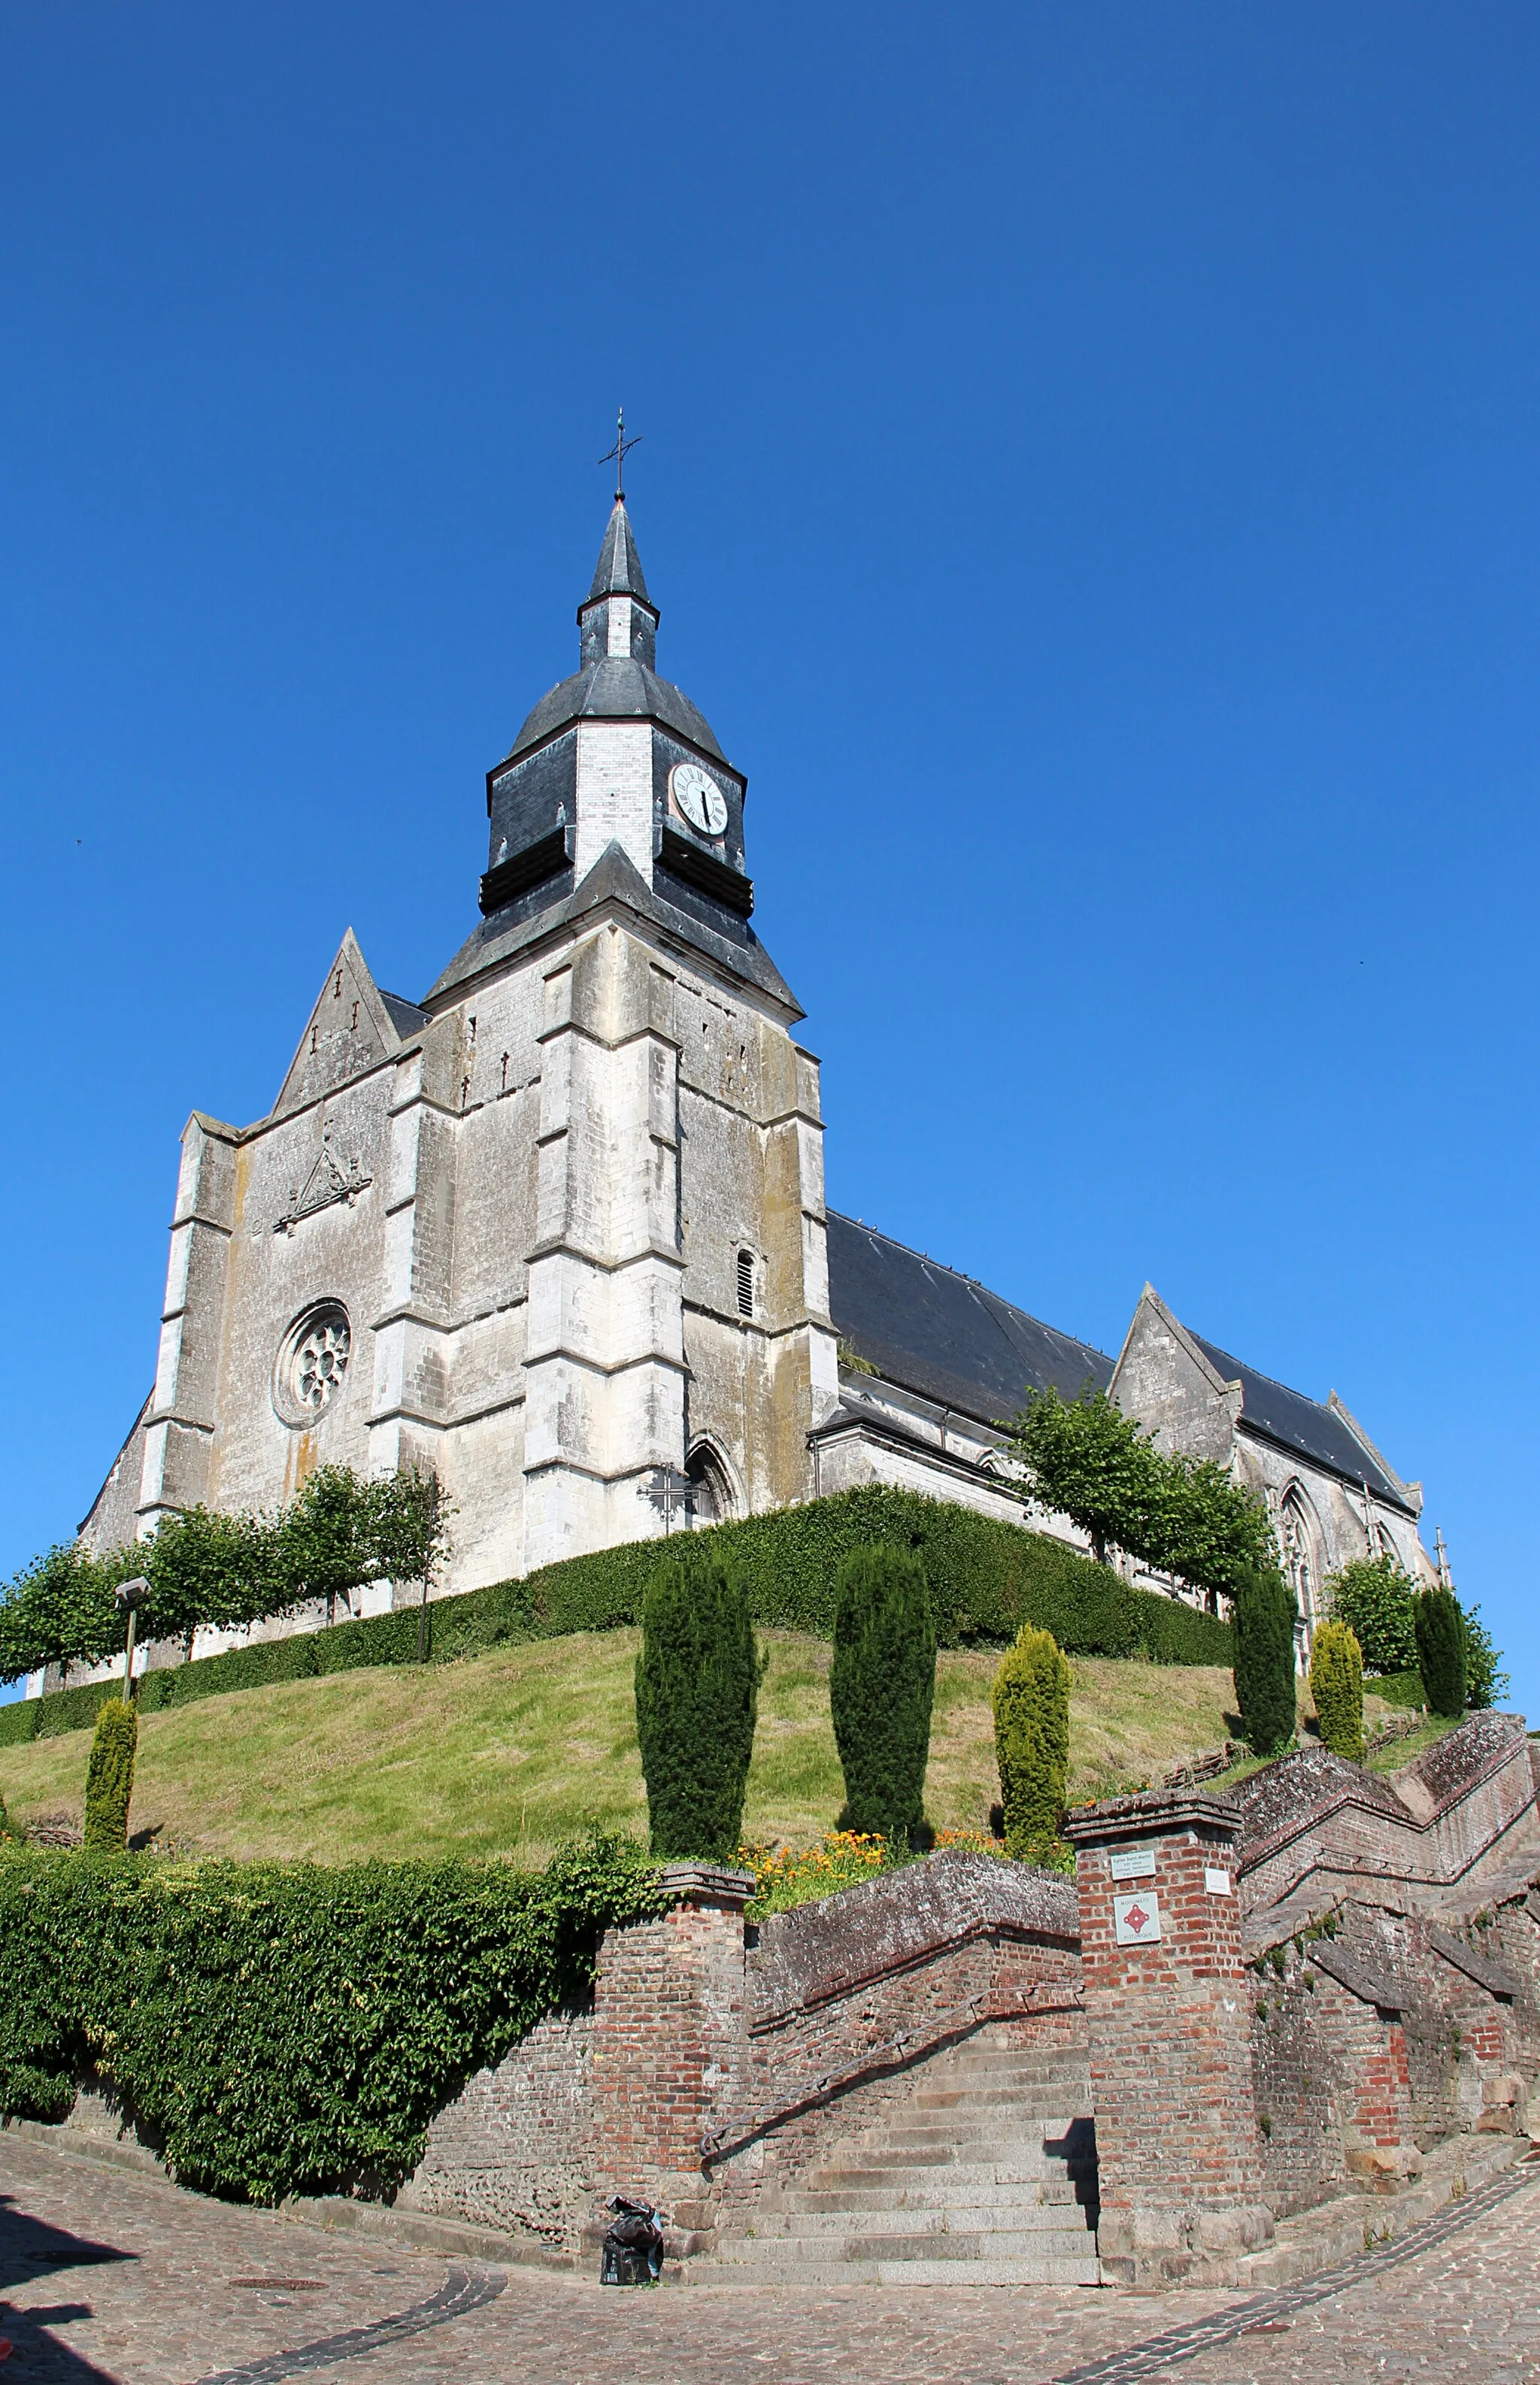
<point>1303,1425</point>
<point>941,1334</point>
<point>619,570</point>
<point>408,1018</point>
<point>616,688</point>
<point>731,943</point>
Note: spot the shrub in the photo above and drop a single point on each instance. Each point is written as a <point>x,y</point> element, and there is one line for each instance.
<point>1441,1650</point>
<point>1485,1682</point>
<point>1031,1701</point>
<point>882,1684</point>
<point>987,1578</point>
<point>290,2028</point>
<point>1264,1661</point>
<point>697,1694</point>
<point>109,1779</point>
<point>1336,1685</point>
<point>1374,1598</point>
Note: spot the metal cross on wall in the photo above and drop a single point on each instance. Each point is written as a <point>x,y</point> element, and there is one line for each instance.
<point>618,453</point>
<point>668,1491</point>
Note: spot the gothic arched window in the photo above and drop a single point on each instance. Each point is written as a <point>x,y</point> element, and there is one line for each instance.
<point>714,1500</point>
<point>1299,1544</point>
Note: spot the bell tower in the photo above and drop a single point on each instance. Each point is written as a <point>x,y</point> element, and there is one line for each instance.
<point>673,1269</point>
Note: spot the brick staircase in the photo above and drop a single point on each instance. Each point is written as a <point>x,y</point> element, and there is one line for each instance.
<point>986,2175</point>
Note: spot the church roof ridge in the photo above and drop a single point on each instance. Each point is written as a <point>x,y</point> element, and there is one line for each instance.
<point>1311,1428</point>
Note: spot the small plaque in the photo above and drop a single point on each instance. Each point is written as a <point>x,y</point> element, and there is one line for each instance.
<point>1137,1918</point>
<point>1133,1863</point>
<point>1218,1883</point>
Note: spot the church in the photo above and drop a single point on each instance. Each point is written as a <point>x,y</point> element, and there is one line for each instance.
<point>557,1231</point>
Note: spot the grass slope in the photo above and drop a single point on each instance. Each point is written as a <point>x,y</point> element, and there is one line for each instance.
<point>508,1752</point>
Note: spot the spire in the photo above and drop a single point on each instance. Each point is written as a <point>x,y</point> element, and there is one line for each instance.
<point>619,570</point>
<point>618,619</point>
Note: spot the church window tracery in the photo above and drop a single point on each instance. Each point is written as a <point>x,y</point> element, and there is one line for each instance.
<point>312,1363</point>
<point>1297,1543</point>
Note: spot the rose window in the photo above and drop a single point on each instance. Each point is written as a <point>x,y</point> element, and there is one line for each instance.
<point>313,1363</point>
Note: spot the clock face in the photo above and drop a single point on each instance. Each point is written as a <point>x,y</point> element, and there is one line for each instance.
<point>698,797</point>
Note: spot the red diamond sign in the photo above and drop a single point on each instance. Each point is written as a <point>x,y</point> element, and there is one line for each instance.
<point>1137,1919</point>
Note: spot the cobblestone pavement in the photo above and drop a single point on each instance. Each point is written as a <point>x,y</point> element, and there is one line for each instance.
<point>107,2275</point>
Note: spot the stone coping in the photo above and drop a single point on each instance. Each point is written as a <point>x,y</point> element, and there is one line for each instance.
<point>1156,1810</point>
<point>697,1883</point>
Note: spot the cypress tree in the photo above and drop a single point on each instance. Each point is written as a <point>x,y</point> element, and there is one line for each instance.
<point>1441,1650</point>
<point>1264,1661</point>
<point>109,1779</point>
<point>882,1683</point>
<point>697,1696</point>
<point>1031,1701</point>
<point>1336,1685</point>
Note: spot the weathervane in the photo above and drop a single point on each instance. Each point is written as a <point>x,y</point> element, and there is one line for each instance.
<point>618,453</point>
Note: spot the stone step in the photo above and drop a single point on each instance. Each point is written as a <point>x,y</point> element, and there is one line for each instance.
<point>966,2220</point>
<point>1083,2271</point>
<point>955,2260</point>
<point>938,2147</point>
<point>860,2176</point>
<point>925,2194</point>
<point>1056,2094</point>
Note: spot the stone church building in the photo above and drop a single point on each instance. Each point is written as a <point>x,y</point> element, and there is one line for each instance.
<point>557,1231</point>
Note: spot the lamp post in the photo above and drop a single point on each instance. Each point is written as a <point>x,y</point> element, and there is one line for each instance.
<point>129,1597</point>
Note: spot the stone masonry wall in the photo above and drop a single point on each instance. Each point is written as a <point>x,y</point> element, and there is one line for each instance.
<point>514,2150</point>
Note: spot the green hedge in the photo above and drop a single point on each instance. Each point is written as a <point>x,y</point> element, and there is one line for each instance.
<point>986,1580</point>
<point>284,2029</point>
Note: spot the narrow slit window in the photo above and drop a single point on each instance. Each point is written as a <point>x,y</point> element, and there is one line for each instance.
<point>745,1283</point>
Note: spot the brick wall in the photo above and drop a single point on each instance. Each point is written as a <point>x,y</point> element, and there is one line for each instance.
<point>1256,2054</point>
<point>1177,2143</point>
<point>1461,1817</point>
<point>856,1994</point>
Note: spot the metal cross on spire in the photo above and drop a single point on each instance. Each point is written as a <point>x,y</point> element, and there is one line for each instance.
<point>618,453</point>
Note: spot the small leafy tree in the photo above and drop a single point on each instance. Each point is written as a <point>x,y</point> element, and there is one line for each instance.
<point>329,1537</point>
<point>59,1610</point>
<point>412,1535</point>
<point>882,1685</point>
<point>109,1778</point>
<point>697,1694</point>
<point>1441,1650</point>
<point>1264,1661</point>
<point>1336,1685</point>
<point>1203,1525</point>
<point>1374,1597</point>
<point>1031,1702</point>
<point>1091,1463</point>
<point>1485,1681</point>
<point>206,1566</point>
<point>1101,1470</point>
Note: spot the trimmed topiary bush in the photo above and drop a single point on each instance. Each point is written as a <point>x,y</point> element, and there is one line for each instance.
<point>697,1696</point>
<point>1264,1661</point>
<point>1441,1650</point>
<point>882,1685</point>
<point>1031,1702</point>
<point>109,1779</point>
<point>1336,1685</point>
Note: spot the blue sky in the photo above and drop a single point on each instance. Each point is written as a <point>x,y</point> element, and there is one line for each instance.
<point>1090,483</point>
